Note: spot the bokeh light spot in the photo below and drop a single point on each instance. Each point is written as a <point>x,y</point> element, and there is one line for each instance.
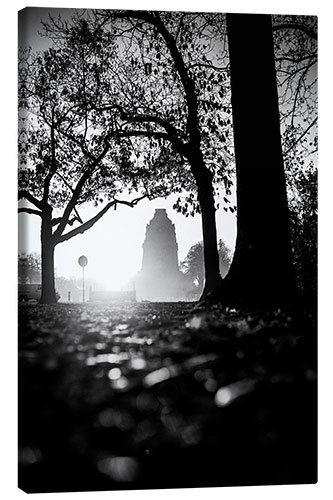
<point>114,373</point>
<point>121,469</point>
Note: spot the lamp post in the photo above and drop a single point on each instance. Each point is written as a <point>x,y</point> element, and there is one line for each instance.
<point>83,261</point>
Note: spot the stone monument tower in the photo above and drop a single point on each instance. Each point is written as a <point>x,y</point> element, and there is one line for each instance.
<point>160,278</point>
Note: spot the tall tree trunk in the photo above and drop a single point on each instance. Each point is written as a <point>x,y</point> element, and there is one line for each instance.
<point>204,181</point>
<point>48,287</point>
<point>261,270</point>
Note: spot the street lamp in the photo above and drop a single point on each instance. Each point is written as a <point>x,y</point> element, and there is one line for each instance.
<point>83,261</point>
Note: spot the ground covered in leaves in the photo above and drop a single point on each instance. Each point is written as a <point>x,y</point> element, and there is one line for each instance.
<point>140,396</point>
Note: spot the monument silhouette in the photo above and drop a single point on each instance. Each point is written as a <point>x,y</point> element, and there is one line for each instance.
<point>160,278</point>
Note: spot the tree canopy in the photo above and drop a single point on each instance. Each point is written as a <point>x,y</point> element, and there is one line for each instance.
<point>70,152</point>
<point>166,75</point>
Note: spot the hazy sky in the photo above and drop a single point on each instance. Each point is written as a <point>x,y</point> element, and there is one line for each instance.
<point>114,245</point>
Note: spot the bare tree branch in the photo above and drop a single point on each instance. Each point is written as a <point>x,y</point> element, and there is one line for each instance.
<point>88,224</point>
<point>77,191</point>
<point>296,26</point>
<point>209,66</point>
<point>301,136</point>
<point>53,166</point>
<point>29,211</point>
<point>296,61</point>
<point>24,194</point>
<point>144,133</point>
<point>153,18</point>
<point>172,133</point>
<point>70,222</point>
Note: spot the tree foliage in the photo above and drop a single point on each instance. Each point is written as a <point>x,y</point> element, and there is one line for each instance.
<point>303,224</point>
<point>29,268</point>
<point>193,264</point>
<point>296,53</point>
<point>167,76</point>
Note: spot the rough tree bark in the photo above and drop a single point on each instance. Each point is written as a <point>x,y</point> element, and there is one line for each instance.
<point>47,253</point>
<point>261,271</point>
<point>204,182</point>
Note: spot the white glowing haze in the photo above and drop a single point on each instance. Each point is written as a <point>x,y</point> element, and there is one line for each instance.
<point>113,245</point>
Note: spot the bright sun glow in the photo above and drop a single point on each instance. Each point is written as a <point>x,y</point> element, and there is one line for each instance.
<point>116,271</point>
<point>113,246</point>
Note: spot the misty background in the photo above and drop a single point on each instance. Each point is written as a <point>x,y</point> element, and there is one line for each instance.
<point>113,245</point>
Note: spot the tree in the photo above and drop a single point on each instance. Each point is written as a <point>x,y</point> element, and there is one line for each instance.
<point>29,268</point>
<point>303,225</point>
<point>261,270</point>
<point>295,49</point>
<point>295,46</point>
<point>68,156</point>
<point>177,95</point>
<point>193,264</point>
